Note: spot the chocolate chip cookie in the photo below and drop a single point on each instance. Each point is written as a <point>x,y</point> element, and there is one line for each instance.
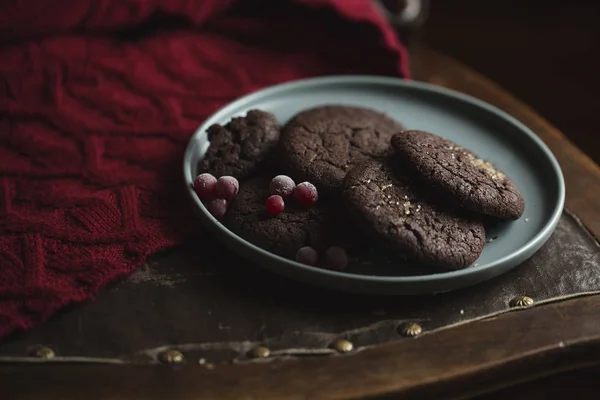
<point>388,204</point>
<point>322,144</point>
<point>282,234</point>
<point>460,175</point>
<point>242,145</point>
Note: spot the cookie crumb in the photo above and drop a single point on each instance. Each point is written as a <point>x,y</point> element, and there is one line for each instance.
<point>526,219</point>
<point>476,264</point>
<point>486,166</point>
<point>407,207</point>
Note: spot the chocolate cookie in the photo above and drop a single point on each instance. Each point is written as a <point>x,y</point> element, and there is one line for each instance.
<point>460,175</point>
<point>395,211</point>
<point>285,233</point>
<point>239,147</point>
<point>322,144</point>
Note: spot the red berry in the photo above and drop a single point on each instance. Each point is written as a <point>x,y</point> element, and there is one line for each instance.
<point>336,258</point>
<point>307,255</point>
<point>306,194</point>
<point>217,207</point>
<point>205,186</point>
<point>227,187</point>
<point>274,204</point>
<point>282,185</point>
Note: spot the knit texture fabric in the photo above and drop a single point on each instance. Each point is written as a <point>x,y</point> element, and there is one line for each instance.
<point>97,101</point>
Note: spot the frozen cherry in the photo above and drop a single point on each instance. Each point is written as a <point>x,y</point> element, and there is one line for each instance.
<point>282,185</point>
<point>336,258</point>
<point>227,187</point>
<point>307,255</point>
<point>217,207</point>
<point>306,194</point>
<point>274,204</point>
<point>205,186</point>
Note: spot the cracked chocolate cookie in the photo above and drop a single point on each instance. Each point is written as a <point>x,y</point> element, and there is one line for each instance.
<point>239,147</point>
<point>460,175</point>
<point>322,144</point>
<point>284,233</point>
<point>391,208</point>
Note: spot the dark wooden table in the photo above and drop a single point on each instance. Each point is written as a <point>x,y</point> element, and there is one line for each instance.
<point>508,356</point>
<point>542,51</point>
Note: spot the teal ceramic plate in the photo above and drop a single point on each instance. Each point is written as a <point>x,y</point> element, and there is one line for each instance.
<point>473,124</point>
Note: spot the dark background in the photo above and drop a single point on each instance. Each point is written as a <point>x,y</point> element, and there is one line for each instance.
<point>544,52</point>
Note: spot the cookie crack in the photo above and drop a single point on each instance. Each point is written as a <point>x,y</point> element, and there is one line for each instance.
<point>473,184</point>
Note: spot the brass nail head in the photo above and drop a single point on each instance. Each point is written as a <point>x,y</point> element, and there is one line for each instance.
<point>521,301</point>
<point>172,356</point>
<point>410,329</point>
<point>42,352</point>
<point>342,346</point>
<point>259,352</point>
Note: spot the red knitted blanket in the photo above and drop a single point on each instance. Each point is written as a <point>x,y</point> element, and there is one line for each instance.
<point>97,101</point>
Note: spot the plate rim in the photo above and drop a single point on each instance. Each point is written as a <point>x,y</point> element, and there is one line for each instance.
<point>537,241</point>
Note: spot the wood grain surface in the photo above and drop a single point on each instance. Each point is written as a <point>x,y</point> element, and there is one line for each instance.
<point>459,362</point>
<point>454,363</point>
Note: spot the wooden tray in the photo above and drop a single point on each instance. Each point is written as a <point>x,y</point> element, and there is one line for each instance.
<point>123,359</point>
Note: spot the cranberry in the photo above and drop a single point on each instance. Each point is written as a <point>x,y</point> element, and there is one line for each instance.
<point>205,186</point>
<point>274,204</point>
<point>306,194</point>
<point>336,258</point>
<point>282,185</point>
<point>227,187</point>
<point>217,207</point>
<point>307,255</point>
